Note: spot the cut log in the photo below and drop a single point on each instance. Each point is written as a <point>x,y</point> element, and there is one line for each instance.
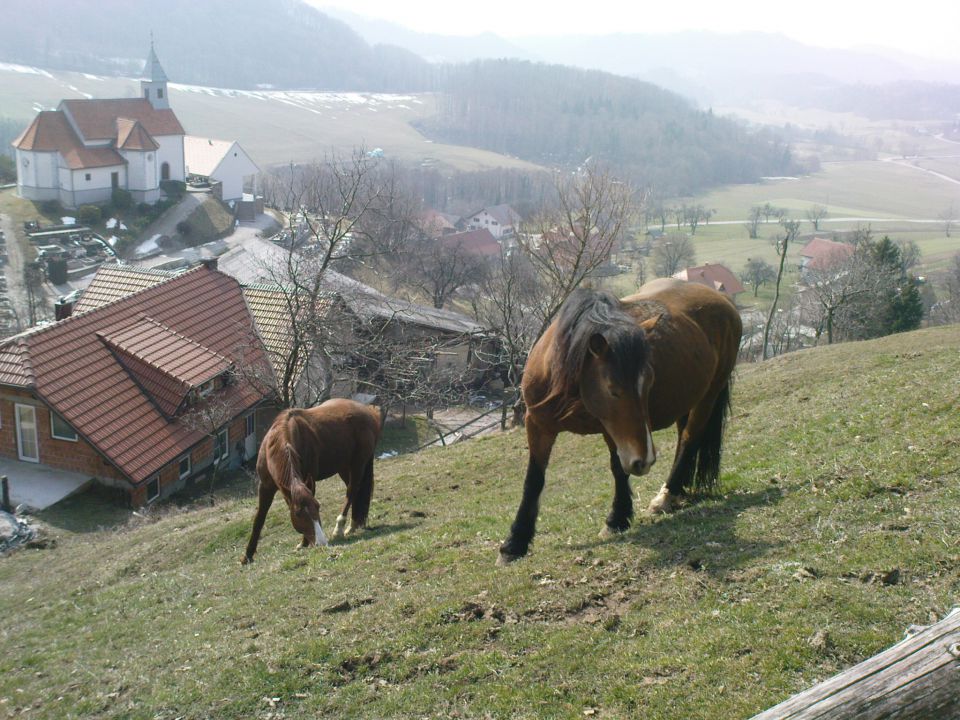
<point>916,679</point>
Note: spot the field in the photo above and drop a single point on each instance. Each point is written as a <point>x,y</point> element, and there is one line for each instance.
<point>836,529</point>
<point>274,127</point>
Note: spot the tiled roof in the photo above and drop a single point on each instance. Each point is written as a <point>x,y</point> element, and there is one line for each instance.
<point>131,135</point>
<point>75,372</point>
<point>718,277</point>
<point>50,131</point>
<point>113,282</point>
<point>477,242</point>
<point>97,119</point>
<point>821,253</point>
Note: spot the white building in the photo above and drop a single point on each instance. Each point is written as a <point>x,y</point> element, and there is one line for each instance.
<point>501,220</point>
<point>222,161</point>
<point>82,151</point>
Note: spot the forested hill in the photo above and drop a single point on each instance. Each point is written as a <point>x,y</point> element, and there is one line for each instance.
<point>225,43</point>
<point>559,115</point>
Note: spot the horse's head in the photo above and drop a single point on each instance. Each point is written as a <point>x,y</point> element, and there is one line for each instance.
<point>615,387</point>
<point>305,515</point>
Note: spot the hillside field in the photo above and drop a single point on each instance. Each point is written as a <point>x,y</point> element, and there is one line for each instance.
<point>274,127</point>
<point>835,530</point>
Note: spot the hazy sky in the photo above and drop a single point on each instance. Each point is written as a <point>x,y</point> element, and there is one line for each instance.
<point>924,27</point>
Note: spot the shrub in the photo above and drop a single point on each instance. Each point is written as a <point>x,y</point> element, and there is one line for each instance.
<point>173,188</point>
<point>184,228</point>
<point>121,199</point>
<point>51,207</point>
<point>144,208</point>
<point>89,214</point>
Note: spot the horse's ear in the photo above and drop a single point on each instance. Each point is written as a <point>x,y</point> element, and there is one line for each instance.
<point>650,323</point>
<point>597,345</point>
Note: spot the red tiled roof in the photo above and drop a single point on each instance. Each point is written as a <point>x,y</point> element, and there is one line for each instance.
<point>821,253</point>
<point>131,135</point>
<point>718,277</point>
<point>76,374</point>
<point>50,131</point>
<point>97,119</point>
<point>478,242</point>
<point>113,282</point>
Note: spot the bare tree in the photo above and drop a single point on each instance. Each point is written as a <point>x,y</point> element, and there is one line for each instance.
<point>565,244</point>
<point>440,267</point>
<point>782,240</point>
<point>671,254</point>
<point>815,214</point>
<point>948,217</point>
<point>695,214</point>
<point>758,272</point>
<point>753,221</point>
<point>947,308</point>
<point>211,418</point>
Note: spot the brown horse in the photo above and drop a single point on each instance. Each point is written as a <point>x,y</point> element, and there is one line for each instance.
<point>305,446</point>
<point>622,368</point>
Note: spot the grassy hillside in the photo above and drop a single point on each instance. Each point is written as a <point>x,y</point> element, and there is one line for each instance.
<point>274,127</point>
<point>836,529</point>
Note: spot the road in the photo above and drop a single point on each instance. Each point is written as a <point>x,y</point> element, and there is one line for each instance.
<point>16,292</point>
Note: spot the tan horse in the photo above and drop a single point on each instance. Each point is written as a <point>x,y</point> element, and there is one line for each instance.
<point>305,446</point>
<point>623,368</point>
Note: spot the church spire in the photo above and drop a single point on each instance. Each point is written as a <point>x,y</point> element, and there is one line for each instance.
<point>153,81</point>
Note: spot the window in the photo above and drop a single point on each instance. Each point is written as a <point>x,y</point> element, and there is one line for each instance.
<point>184,468</point>
<point>250,426</point>
<point>86,177</point>
<point>160,93</point>
<point>146,93</point>
<point>220,448</point>
<point>205,389</point>
<point>60,428</point>
<point>153,488</point>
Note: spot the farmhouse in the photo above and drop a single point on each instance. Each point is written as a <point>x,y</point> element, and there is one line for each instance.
<point>221,162</point>
<point>108,392</point>
<point>820,253</point>
<point>718,277</point>
<point>501,220</point>
<point>475,242</point>
<point>85,149</point>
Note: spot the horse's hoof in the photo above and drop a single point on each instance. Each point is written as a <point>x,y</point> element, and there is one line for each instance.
<point>246,560</point>
<point>337,535</point>
<point>504,559</point>
<point>355,531</point>
<point>663,503</point>
<point>607,532</point>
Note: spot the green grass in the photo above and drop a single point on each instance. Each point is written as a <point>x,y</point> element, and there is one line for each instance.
<point>841,465</point>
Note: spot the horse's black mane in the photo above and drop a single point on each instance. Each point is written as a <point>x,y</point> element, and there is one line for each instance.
<point>590,312</point>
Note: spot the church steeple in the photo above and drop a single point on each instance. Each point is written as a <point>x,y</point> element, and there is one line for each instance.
<point>153,81</point>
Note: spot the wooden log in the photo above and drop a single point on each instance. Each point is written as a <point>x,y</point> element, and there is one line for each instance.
<point>916,679</point>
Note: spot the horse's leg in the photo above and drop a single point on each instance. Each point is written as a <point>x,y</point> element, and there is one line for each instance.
<point>342,517</point>
<point>622,511</point>
<point>698,447</point>
<point>524,525</point>
<point>361,493</point>
<point>264,499</point>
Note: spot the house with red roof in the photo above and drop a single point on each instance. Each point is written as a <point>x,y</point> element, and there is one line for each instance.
<point>85,149</point>
<point>113,391</point>
<point>475,242</point>
<point>821,253</point>
<point>718,277</point>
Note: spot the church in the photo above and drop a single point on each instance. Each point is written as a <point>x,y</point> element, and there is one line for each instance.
<point>81,152</point>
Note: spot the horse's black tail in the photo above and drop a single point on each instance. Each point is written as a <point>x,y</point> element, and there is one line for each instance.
<point>711,443</point>
<point>362,494</point>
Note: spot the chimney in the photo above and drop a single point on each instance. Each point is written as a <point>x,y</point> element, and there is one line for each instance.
<point>209,263</point>
<point>62,308</point>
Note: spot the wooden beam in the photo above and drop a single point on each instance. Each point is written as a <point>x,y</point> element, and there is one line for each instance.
<point>916,679</point>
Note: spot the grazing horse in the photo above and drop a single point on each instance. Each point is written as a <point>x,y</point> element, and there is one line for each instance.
<point>623,368</point>
<point>305,446</point>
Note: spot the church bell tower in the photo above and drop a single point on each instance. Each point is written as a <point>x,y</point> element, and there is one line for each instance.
<point>153,82</point>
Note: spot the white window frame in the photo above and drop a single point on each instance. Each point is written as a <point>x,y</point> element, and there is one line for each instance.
<point>150,480</point>
<point>205,388</point>
<point>250,425</point>
<point>36,434</point>
<point>53,432</point>
<point>189,466</point>
<point>216,446</point>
